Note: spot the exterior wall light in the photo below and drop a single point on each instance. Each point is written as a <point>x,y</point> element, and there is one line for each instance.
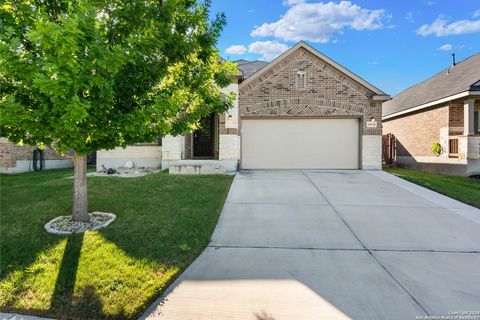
<point>372,123</point>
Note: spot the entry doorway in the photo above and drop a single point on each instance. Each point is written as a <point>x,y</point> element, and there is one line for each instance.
<point>204,140</point>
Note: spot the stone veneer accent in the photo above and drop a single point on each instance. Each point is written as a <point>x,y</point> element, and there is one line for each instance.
<point>328,93</point>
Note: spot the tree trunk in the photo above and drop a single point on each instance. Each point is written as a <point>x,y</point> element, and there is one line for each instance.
<point>80,199</point>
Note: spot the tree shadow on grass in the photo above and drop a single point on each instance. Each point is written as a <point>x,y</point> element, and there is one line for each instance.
<point>87,303</point>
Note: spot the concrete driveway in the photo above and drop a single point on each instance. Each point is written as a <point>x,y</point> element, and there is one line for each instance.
<point>332,245</point>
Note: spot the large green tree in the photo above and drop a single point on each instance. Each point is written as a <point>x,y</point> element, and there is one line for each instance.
<point>86,75</point>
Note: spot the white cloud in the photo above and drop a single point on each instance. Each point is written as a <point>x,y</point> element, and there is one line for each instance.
<point>292,2</point>
<point>441,28</point>
<point>373,62</point>
<point>430,3</point>
<point>317,22</point>
<point>268,49</point>
<point>236,49</point>
<point>446,47</point>
<point>476,13</point>
<point>409,17</point>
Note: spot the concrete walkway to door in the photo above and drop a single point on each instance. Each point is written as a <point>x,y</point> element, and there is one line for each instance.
<point>331,245</point>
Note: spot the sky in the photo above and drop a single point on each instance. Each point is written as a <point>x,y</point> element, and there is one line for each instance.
<point>392,44</point>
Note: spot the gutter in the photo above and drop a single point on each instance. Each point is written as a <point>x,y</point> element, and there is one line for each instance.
<point>432,103</point>
<point>381,97</point>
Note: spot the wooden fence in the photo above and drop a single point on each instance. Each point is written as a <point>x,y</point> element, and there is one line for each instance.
<point>388,149</point>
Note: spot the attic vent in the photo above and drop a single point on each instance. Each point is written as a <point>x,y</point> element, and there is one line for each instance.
<point>300,80</point>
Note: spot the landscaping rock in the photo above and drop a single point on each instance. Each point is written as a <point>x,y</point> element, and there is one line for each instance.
<point>128,164</point>
<point>65,224</point>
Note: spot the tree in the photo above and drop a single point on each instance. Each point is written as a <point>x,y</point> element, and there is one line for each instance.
<point>86,75</point>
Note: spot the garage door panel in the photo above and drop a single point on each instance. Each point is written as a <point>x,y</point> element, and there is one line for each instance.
<point>300,144</point>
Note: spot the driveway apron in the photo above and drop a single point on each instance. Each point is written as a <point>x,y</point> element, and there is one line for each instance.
<point>331,245</point>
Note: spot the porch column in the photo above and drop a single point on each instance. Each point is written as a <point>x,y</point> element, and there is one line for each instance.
<point>468,114</point>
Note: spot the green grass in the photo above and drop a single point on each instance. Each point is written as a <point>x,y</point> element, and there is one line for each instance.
<point>463,189</point>
<point>163,223</point>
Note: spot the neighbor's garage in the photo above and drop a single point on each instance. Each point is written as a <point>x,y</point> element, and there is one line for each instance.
<point>300,144</point>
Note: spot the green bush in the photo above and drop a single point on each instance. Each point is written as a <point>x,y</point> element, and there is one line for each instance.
<point>436,149</point>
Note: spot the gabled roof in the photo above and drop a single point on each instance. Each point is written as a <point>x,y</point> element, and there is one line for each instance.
<point>464,76</point>
<point>248,68</point>
<point>321,56</point>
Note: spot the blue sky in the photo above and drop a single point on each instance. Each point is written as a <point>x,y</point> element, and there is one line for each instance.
<point>392,44</point>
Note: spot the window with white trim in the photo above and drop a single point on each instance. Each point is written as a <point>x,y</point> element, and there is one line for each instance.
<point>301,80</point>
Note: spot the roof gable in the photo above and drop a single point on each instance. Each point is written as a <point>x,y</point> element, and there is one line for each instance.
<point>338,71</point>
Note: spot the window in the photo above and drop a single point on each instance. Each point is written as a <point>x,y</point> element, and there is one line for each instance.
<point>301,80</point>
<point>476,125</point>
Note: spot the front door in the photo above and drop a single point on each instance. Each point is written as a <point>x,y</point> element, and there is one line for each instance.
<point>203,138</point>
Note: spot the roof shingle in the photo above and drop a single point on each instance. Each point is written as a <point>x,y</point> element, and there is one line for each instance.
<point>464,76</point>
<point>248,68</point>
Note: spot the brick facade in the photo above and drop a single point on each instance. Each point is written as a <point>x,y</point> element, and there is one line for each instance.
<point>328,92</point>
<point>10,153</point>
<point>415,132</point>
<point>455,118</point>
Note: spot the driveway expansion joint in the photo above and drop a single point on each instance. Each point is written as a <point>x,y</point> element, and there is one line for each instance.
<point>403,287</point>
<point>346,249</point>
<point>284,248</point>
<point>280,203</point>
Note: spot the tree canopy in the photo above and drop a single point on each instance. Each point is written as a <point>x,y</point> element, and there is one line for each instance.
<point>85,75</point>
<point>96,74</point>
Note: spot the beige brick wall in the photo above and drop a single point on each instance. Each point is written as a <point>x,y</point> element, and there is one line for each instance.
<point>6,156</point>
<point>328,92</point>
<point>416,132</point>
<point>456,119</point>
<point>10,153</point>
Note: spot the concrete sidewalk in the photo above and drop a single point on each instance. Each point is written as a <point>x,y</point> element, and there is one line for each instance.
<point>15,316</point>
<point>331,245</point>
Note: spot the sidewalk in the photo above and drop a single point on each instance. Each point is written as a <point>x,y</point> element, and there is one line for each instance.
<point>14,316</point>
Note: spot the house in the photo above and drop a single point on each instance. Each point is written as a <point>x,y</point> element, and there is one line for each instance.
<point>443,109</point>
<point>16,159</point>
<point>300,111</point>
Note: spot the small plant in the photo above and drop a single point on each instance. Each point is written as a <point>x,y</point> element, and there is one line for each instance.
<point>436,149</point>
<point>184,247</point>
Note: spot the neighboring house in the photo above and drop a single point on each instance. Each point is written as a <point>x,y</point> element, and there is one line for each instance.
<point>300,111</point>
<point>443,109</point>
<point>16,159</point>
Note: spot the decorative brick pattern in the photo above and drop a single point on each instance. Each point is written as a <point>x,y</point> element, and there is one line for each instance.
<point>314,61</point>
<point>328,92</point>
<point>302,106</point>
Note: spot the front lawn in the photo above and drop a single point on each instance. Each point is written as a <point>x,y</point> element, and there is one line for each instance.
<point>463,189</point>
<point>163,223</point>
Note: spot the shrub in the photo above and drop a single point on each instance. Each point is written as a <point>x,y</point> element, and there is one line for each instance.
<point>436,149</point>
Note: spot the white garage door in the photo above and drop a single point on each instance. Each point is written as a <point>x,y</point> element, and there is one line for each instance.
<point>300,144</point>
